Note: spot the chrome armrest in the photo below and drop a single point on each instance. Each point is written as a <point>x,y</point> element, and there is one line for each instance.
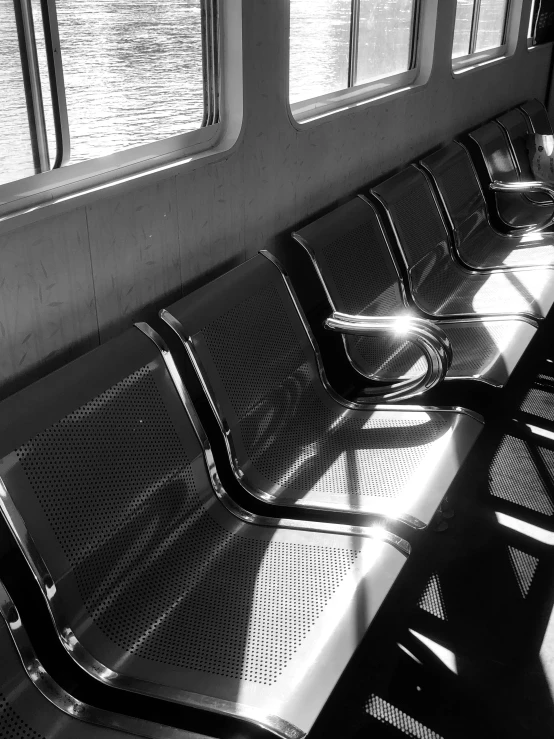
<point>534,186</point>
<point>426,335</point>
<point>523,187</point>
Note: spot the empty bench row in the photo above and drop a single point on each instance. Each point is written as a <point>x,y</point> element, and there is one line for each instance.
<point>157,580</point>
<point>422,244</point>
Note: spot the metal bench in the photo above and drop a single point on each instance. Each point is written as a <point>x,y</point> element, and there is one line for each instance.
<point>34,706</point>
<point>476,243</point>
<point>355,262</point>
<point>290,438</point>
<point>498,171</point>
<point>537,116</point>
<point>156,581</point>
<point>439,284</point>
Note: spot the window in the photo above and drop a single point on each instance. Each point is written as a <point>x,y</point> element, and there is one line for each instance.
<point>84,79</point>
<point>340,44</point>
<point>541,23</point>
<point>480,27</point>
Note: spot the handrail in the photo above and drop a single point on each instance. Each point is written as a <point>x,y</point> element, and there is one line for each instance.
<point>426,335</point>
<point>57,84</point>
<point>523,187</point>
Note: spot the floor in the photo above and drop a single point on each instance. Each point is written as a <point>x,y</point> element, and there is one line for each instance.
<point>472,652</point>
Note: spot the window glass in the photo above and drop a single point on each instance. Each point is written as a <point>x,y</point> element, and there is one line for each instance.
<point>319,47</point>
<point>133,73</point>
<point>328,54</point>
<point>532,18</point>
<point>132,70</point>
<point>492,17</point>
<point>384,41</point>
<point>16,147</point>
<point>462,29</point>
<point>479,26</point>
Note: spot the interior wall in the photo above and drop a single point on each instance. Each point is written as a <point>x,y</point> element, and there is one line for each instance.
<point>80,272</point>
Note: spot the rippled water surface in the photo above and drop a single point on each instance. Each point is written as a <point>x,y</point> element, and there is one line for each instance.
<point>133,68</point>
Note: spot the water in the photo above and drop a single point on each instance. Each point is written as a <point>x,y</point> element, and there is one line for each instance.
<point>133,68</point>
<point>133,75</point>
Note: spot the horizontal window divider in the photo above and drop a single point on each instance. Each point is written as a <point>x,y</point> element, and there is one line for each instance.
<point>305,110</point>
<point>464,63</point>
<point>103,172</point>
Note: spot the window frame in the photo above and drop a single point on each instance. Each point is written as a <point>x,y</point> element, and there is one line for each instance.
<point>45,187</point>
<point>306,111</point>
<point>461,63</point>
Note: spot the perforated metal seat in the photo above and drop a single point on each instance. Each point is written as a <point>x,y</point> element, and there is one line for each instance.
<point>291,440</point>
<point>438,284</point>
<point>495,162</point>
<point>477,243</point>
<point>156,581</point>
<point>33,706</point>
<point>357,268</point>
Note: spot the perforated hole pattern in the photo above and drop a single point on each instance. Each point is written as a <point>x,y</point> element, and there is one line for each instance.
<point>159,577</point>
<point>386,713</point>
<point>459,187</point>
<point>386,357</point>
<point>254,348</point>
<point>539,403</point>
<point>475,345</point>
<point>443,289</point>
<point>524,567</point>
<point>431,599</point>
<point>12,726</point>
<point>362,270</point>
<point>295,440</point>
<point>515,477</point>
<point>418,222</point>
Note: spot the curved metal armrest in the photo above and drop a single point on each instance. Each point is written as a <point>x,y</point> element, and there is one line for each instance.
<point>426,335</point>
<point>534,186</point>
<point>523,187</point>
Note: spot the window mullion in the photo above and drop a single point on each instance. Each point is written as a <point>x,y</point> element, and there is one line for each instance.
<point>474,26</point>
<point>57,84</point>
<point>354,39</point>
<point>31,72</point>
<point>210,60</point>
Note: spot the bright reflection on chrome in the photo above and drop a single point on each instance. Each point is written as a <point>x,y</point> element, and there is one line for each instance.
<point>402,325</point>
<point>500,162</point>
<point>527,529</point>
<point>447,657</point>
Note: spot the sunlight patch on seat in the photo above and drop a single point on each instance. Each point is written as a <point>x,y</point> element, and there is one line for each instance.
<point>527,529</point>
<point>524,567</point>
<point>533,236</point>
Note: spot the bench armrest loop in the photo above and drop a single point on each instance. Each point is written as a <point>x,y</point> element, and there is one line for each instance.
<point>426,335</point>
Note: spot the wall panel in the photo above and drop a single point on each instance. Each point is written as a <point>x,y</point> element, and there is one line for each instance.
<point>135,257</point>
<point>47,302</point>
<point>211,220</point>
